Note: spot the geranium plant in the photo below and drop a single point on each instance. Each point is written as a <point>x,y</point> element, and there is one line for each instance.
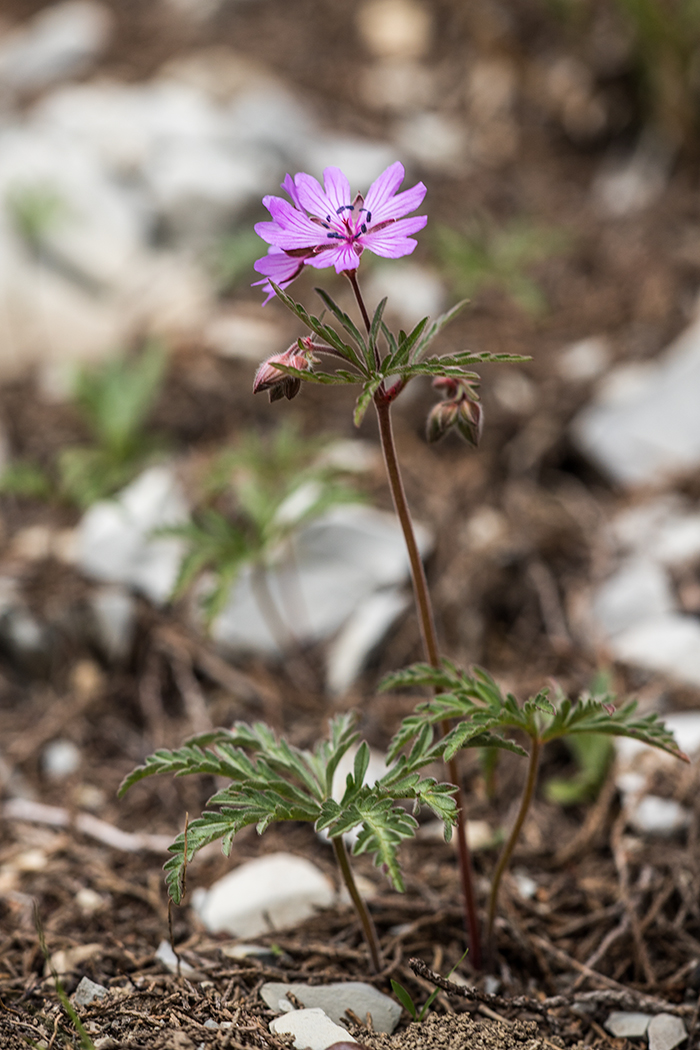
<point>269,779</point>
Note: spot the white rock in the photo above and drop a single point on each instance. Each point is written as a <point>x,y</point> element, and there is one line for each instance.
<point>48,319</point>
<point>584,360</point>
<point>625,1025</point>
<point>334,999</point>
<point>669,643</point>
<point>339,561</point>
<point>653,815</point>
<point>24,632</point>
<point>198,187</point>
<point>643,424</point>
<point>414,291</point>
<point>360,635</point>
<point>527,887</point>
<point>312,1029</point>
<point>485,530</point>
<point>395,28</point>
<point>87,991</point>
<point>61,41</point>
<point>114,610</point>
<point>376,769</point>
<point>272,118</point>
<point>115,541</point>
<point>60,758</point>
<point>273,891</point>
<point>515,392</point>
<point>437,141</point>
<point>96,227</point>
<point>167,956</point>
<point>666,1031</point>
<point>639,591</point>
<point>627,186</point>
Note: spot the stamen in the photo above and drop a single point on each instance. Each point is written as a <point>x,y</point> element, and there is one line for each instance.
<point>368,213</point>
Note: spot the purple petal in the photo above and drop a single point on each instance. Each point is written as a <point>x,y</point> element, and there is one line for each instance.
<point>290,229</point>
<point>291,189</point>
<point>384,187</point>
<point>399,205</point>
<point>279,266</point>
<point>312,196</point>
<point>337,189</point>
<point>341,255</point>
<point>393,242</point>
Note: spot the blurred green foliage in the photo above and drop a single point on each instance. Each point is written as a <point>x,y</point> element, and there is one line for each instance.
<point>255,497</point>
<point>593,754</point>
<point>35,210</point>
<point>232,259</point>
<point>113,400</point>
<point>485,256</point>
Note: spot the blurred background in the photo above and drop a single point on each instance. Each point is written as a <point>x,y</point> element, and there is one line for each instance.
<point>176,554</point>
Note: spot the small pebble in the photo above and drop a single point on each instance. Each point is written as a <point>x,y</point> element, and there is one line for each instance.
<point>312,1029</point>
<point>666,1031</point>
<point>87,991</point>
<point>624,1025</point>
<point>60,758</point>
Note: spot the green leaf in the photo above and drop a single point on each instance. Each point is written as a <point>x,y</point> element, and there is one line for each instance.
<point>405,999</point>
<point>376,326</point>
<point>402,353</point>
<point>324,331</point>
<point>365,399</point>
<point>348,324</point>
<point>438,324</point>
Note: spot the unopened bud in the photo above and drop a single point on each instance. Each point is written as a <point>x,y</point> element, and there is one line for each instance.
<point>470,421</point>
<point>442,417</point>
<point>278,383</point>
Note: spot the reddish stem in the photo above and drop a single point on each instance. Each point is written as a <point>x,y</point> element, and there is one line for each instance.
<point>382,404</point>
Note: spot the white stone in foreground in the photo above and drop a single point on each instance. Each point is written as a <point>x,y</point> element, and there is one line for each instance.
<point>666,1031</point>
<point>87,991</point>
<point>312,1029</point>
<point>271,892</point>
<point>334,999</point>
<point>624,1025</point>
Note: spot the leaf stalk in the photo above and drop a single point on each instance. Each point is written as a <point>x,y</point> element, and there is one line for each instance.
<point>368,927</point>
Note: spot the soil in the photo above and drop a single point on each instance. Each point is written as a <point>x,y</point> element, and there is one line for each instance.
<point>612,914</point>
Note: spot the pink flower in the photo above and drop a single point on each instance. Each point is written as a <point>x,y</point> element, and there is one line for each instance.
<point>327,227</point>
<point>277,382</point>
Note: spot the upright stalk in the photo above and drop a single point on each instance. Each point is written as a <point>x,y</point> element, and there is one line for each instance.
<point>507,851</point>
<point>368,928</point>
<point>428,632</point>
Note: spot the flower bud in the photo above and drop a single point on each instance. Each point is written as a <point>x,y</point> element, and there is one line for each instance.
<point>442,417</point>
<point>470,421</point>
<point>278,383</point>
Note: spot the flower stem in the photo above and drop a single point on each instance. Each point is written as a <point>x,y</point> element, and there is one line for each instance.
<point>427,626</point>
<point>505,856</point>
<point>368,928</point>
<point>430,643</point>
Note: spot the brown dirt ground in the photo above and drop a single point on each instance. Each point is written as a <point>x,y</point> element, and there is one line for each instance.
<point>611,914</point>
